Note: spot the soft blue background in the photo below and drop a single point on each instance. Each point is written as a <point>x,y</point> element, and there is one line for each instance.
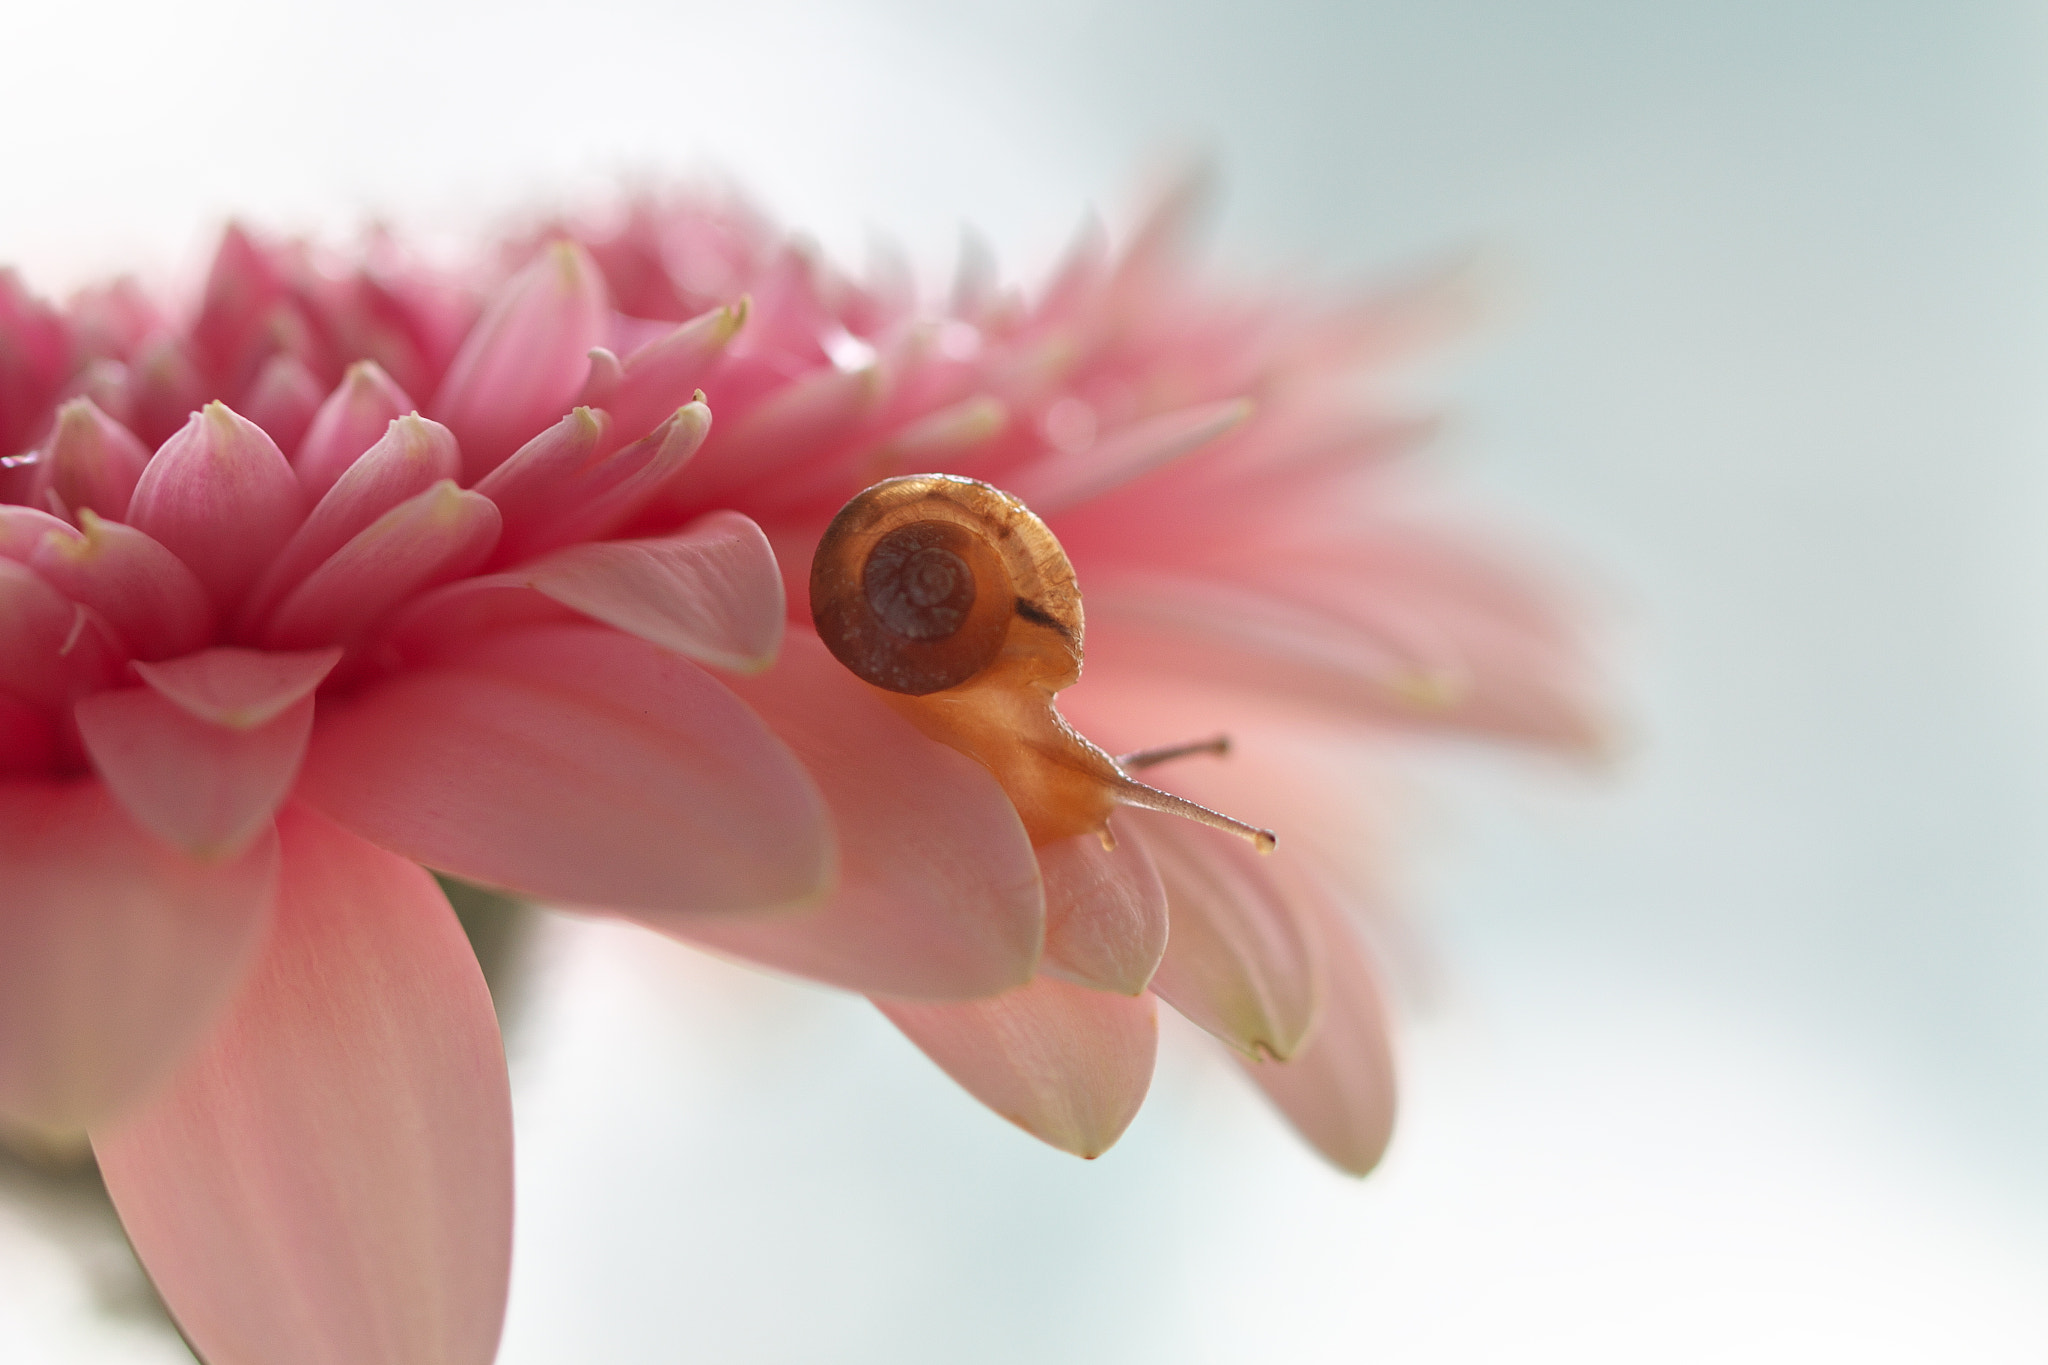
<point>1742,1051</point>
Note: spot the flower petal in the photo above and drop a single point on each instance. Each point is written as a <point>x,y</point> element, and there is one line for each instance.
<point>569,484</point>
<point>239,688</point>
<point>1074,477</point>
<point>94,461</point>
<point>116,952</point>
<point>219,496</point>
<point>410,457</point>
<point>1242,960</point>
<point>425,541</point>
<point>329,1180</point>
<point>660,376</point>
<point>284,400</point>
<point>1105,913</point>
<point>1338,1090</point>
<point>938,892</point>
<point>577,764</point>
<point>154,603</point>
<point>359,410</point>
<point>1068,1065</point>
<point>710,592</point>
<point>50,648</point>
<point>524,361</point>
<point>207,788</point>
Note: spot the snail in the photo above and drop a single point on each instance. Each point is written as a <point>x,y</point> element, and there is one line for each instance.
<point>955,601</point>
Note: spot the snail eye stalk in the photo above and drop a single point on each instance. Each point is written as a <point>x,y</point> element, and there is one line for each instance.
<point>958,603</point>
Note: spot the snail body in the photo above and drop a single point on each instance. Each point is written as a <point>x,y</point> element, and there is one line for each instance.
<point>954,600</point>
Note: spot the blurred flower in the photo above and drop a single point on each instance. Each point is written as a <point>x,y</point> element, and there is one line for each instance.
<point>230,726</point>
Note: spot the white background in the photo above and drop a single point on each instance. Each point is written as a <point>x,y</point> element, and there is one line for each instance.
<point>1742,1049</point>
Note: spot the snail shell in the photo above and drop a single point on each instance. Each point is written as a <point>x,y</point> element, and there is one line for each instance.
<point>955,600</point>
<point>918,582</point>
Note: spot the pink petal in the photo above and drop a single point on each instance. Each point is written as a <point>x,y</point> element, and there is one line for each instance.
<point>938,891</point>
<point>423,542</point>
<point>50,649</point>
<point>239,688</point>
<point>167,387</point>
<point>359,410</point>
<point>23,529</point>
<point>577,764</point>
<point>329,1181</point>
<point>1074,477</point>
<point>411,456</point>
<point>787,429</point>
<point>107,384</point>
<point>524,361</point>
<point>562,487</point>
<point>1105,913</point>
<point>207,788</point>
<point>1241,960</point>
<point>219,496</point>
<point>94,461</point>
<point>660,376</point>
<point>710,592</point>
<point>116,952</point>
<point>1338,1090</point>
<point>1068,1065</point>
<point>153,602</point>
<point>284,400</point>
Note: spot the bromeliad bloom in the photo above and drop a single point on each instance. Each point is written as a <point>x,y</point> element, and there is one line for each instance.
<point>266,660</point>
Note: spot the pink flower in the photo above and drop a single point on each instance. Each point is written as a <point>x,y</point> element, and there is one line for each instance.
<point>1243,531</point>
<point>242,699</point>
<point>246,696</point>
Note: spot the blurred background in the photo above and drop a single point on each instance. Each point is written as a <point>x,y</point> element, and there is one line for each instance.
<point>1736,1052</point>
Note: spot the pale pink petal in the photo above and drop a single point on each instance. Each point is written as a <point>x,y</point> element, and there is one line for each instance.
<point>107,384</point>
<point>94,461</point>
<point>711,592</point>
<point>1072,477</point>
<point>22,530</point>
<point>1105,913</point>
<point>579,765</point>
<point>329,1180</point>
<point>167,387</point>
<point>938,892</point>
<point>1241,958</point>
<point>787,430</point>
<point>207,788</point>
<point>660,376</point>
<point>524,361</point>
<point>153,602</point>
<point>425,541</point>
<point>433,627</point>
<point>411,456</point>
<point>51,649</point>
<point>1338,1090</point>
<point>219,496</point>
<point>1068,1065</point>
<point>354,416</point>
<point>240,688</point>
<point>563,486</point>
<point>116,951</point>
<point>284,400</point>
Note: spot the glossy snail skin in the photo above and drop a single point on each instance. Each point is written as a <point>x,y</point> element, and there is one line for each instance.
<point>955,601</point>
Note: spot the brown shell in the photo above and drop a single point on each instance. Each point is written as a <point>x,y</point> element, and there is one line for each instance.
<point>957,602</point>
<point>921,582</point>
